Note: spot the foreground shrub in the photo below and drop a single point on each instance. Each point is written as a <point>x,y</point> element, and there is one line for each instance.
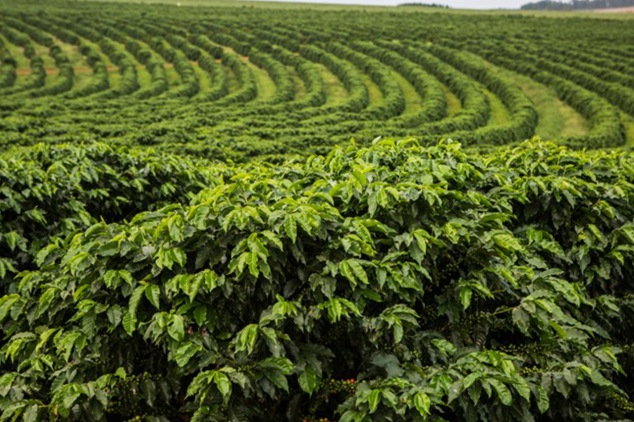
<point>52,191</point>
<point>390,283</point>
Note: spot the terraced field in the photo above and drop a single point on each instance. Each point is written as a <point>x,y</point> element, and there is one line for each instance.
<point>233,83</point>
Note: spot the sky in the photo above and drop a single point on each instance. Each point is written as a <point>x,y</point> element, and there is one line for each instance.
<point>458,4</point>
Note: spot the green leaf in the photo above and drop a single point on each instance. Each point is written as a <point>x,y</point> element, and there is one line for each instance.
<point>308,380</point>
<point>7,302</point>
<point>212,280</point>
<point>148,388</point>
<point>109,249</point>
<point>543,402</point>
<point>68,400</point>
<point>465,296</point>
<point>114,315</point>
<point>175,228</point>
<point>277,377</point>
<point>362,231</point>
<point>352,415</point>
<point>252,261</point>
<point>421,242</point>
<point>120,372</point>
<point>224,385</point>
<point>521,318</point>
<point>198,215</point>
<point>126,276</point>
<point>290,226</point>
<point>178,256</point>
<point>508,242</point>
<point>176,328</point>
<point>422,403</point>
<point>335,309</point>
<point>374,399</point>
<point>305,221</point>
<point>6,381</point>
<point>153,293</point>
<point>11,239</point>
<point>273,238</point>
<point>558,329</point>
<point>200,314</point>
<point>135,299</point>
<point>44,253</point>
<point>522,387</point>
<point>185,352</point>
<point>345,270</point>
<point>444,346</point>
<point>371,294</point>
<point>110,278</point>
<point>358,271</point>
<point>360,178</point>
<point>398,332</point>
<point>471,378</point>
<point>455,390</point>
<point>129,322</point>
<point>31,414</point>
<point>503,392</point>
<point>195,285</point>
<point>246,338</point>
<point>281,363</point>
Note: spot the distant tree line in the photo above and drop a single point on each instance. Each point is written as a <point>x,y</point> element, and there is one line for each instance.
<point>577,4</point>
<point>443,6</point>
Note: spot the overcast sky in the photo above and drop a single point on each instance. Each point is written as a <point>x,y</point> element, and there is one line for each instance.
<point>458,4</point>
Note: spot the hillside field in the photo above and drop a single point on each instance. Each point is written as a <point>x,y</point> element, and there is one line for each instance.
<point>252,211</point>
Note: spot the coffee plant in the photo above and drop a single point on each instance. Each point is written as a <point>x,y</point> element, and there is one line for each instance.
<point>52,192</point>
<point>382,283</point>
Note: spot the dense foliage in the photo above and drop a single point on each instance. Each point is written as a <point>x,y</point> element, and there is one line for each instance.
<point>577,4</point>
<point>394,282</point>
<point>51,192</point>
<point>425,5</point>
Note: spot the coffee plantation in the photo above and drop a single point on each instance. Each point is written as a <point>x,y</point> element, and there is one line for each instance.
<point>314,213</point>
<point>243,82</point>
<point>448,285</point>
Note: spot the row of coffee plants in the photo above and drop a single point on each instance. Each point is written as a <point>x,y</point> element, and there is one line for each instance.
<point>389,282</point>
<point>240,88</point>
<point>49,193</point>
